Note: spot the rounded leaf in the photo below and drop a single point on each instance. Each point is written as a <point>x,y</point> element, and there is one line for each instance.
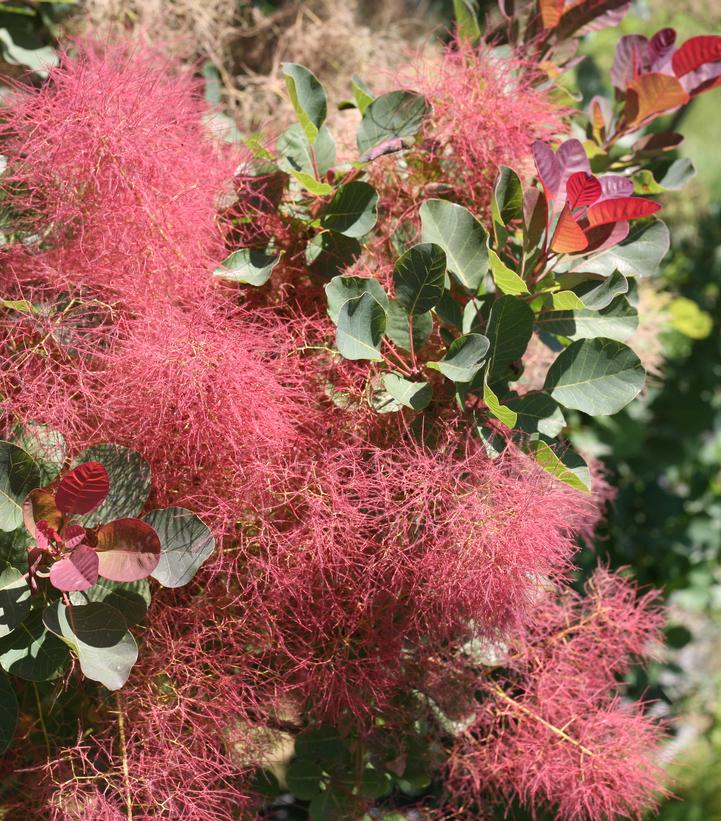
<point>353,210</point>
<point>32,652</point>
<point>82,489</point>
<point>396,114</point>
<point>14,600</point>
<point>596,376</point>
<point>78,571</point>
<point>39,506</point>
<point>132,599</point>
<point>129,476</point>
<point>419,277</point>
<point>360,328</point>
<point>128,550</point>
<point>19,474</point>
<point>185,543</point>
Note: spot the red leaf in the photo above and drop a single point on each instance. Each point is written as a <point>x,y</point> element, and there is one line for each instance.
<point>551,11</point>
<point>82,489</point>
<point>72,535</point>
<point>624,208</point>
<point>128,550</point>
<point>568,237</point>
<point>652,94</point>
<point>696,52</point>
<point>582,189</point>
<point>78,571</point>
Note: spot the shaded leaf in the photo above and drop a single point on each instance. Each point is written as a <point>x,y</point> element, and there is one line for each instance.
<point>464,358</point>
<point>129,477</point>
<point>132,599</point>
<point>419,277</point>
<point>8,713</point>
<point>538,413</point>
<point>247,267</point>
<point>186,542</point>
<point>396,114</point>
<point>14,600</point>
<point>308,98</point>
<point>509,330</point>
<point>618,321</point>
<point>398,327</point>
<point>19,474</point>
<point>340,289</point>
<point>353,210</point>
<point>32,652</point>
<point>360,328</point>
<point>415,395</point>
<point>461,236</point>
<point>296,154</point>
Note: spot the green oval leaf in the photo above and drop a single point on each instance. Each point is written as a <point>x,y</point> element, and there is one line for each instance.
<point>340,289</point>
<point>398,327</point>
<point>295,153</point>
<point>538,413</point>
<point>360,328</point>
<point>46,446</point>
<point>419,277</point>
<point>14,600</point>
<point>132,599</point>
<point>461,236</point>
<point>106,659</point>
<point>464,358</point>
<point>509,330</point>
<point>396,114</point>
<point>303,778</point>
<point>247,267</point>
<point>353,210</point>
<point>617,321</point>
<point>32,652</point>
<point>507,281</point>
<point>185,543</point>
<point>415,395</point>
<point>596,376</point>
<point>129,483</point>
<point>19,474</point>
<point>308,98</point>
<point>507,202</point>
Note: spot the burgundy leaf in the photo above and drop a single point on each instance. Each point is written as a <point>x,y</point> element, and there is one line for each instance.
<point>582,189</point>
<point>128,550</point>
<point>82,489</point>
<point>625,208</point>
<point>78,571</point>
<point>72,536</point>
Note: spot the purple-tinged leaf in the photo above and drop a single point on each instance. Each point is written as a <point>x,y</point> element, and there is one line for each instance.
<point>128,550</point>
<point>631,59</point>
<point>72,536</point>
<point>603,237</point>
<point>547,167</point>
<point>614,186</point>
<point>76,572</point>
<point>661,49</point>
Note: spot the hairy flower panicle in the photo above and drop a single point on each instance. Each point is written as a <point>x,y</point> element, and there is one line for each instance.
<point>113,177</point>
<point>383,547</point>
<point>555,731</point>
<point>487,111</point>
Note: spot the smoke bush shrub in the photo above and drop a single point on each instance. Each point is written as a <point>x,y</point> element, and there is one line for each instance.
<point>326,363</point>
